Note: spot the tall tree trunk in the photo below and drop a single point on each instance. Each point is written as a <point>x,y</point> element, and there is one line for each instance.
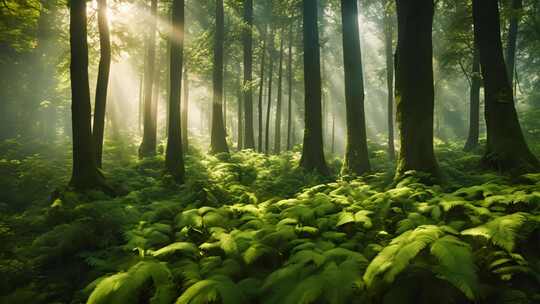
<point>225,106</point>
<point>218,143</point>
<point>474,111</point>
<point>148,145</point>
<point>312,151</point>
<point>269,103</point>
<point>506,148</point>
<point>261,90</point>
<point>102,81</point>
<point>85,174</point>
<point>277,130</point>
<point>517,6</point>
<point>174,158</point>
<point>240,133</point>
<point>141,103</point>
<point>185,111</point>
<point>414,85</point>
<point>388,41</point>
<point>289,81</point>
<point>356,152</point>
<point>248,75</point>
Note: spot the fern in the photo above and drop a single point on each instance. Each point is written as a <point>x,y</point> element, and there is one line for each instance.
<point>126,287</point>
<point>218,287</point>
<point>458,269</point>
<point>502,231</point>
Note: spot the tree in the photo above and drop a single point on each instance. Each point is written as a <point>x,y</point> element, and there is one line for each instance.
<point>148,145</point>
<point>261,90</point>
<point>414,87</point>
<point>269,103</point>
<point>312,151</point>
<point>174,158</point>
<point>277,130</point>
<point>474,100</point>
<point>388,42</point>
<point>218,143</point>
<point>517,7</point>
<point>290,85</point>
<point>248,75</point>
<point>356,153</point>
<point>185,111</point>
<point>85,174</point>
<point>102,81</point>
<point>506,149</point>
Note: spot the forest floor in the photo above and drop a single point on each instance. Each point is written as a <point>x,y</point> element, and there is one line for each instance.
<point>249,228</point>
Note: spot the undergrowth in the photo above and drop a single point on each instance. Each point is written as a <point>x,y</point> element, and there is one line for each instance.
<point>249,228</point>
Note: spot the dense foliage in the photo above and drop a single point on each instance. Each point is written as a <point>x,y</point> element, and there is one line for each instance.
<point>249,228</point>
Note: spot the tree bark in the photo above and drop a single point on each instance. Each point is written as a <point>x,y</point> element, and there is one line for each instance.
<point>277,130</point>
<point>506,149</point>
<point>388,41</point>
<point>85,174</point>
<point>269,103</point>
<point>240,133</point>
<point>289,96</point>
<point>474,111</point>
<point>102,81</point>
<point>185,111</point>
<point>248,75</point>
<point>218,142</point>
<point>517,6</point>
<point>261,90</point>
<point>414,85</point>
<point>174,158</point>
<point>312,151</point>
<point>148,145</point>
<point>356,152</point>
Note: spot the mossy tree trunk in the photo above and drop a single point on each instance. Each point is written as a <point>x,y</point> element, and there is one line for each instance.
<point>85,174</point>
<point>102,80</point>
<point>506,149</point>
<point>174,158</point>
<point>414,86</point>
<point>474,106</point>
<point>312,151</point>
<point>248,75</point>
<point>148,145</point>
<point>218,142</point>
<point>356,152</point>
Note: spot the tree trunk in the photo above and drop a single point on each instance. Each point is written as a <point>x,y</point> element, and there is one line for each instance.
<point>102,81</point>
<point>85,174</point>
<point>148,145</point>
<point>277,130</point>
<point>356,152</point>
<point>240,134</point>
<point>474,111</point>
<point>506,149</point>
<point>289,81</point>
<point>218,143</point>
<point>185,111</point>
<point>261,89</point>
<point>269,103</point>
<point>517,6</point>
<point>312,151</point>
<point>248,75</point>
<point>388,34</point>
<point>174,158</point>
<point>141,103</point>
<point>414,85</point>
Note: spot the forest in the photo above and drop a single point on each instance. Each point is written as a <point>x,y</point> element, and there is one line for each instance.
<point>269,151</point>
